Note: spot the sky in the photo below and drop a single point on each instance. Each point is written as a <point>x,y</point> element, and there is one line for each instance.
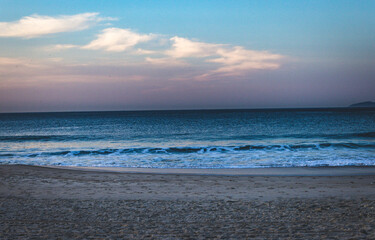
<point>155,55</point>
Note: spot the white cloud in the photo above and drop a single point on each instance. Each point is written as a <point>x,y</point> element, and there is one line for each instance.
<point>36,25</point>
<point>60,47</point>
<point>167,62</point>
<point>117,40</point>
<point>140,51</point>
<point>237,59</point>
<point>239,54</point>
<point>233,60</point>
<point>182,48</point>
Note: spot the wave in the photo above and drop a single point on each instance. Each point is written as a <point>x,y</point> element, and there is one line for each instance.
<point>307,136</point>
<point>58,138</point>
<point>25,138</point>
<point>366,135</point>
<point>348,135</point>
<point>205,149</point>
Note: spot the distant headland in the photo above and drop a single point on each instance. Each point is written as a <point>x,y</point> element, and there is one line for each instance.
<point>367,104</point>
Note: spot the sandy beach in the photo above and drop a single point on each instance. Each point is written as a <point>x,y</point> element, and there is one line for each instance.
<point>105,203</point>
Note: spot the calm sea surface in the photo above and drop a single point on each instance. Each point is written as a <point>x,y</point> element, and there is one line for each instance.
<point>191,139</point>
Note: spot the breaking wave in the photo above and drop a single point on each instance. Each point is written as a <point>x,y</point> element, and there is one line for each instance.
<point>205,149</point>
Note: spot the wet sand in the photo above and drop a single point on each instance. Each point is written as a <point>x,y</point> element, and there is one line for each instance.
<point>97,203</point>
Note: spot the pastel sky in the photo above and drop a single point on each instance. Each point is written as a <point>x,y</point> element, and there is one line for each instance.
<point>144,55</point>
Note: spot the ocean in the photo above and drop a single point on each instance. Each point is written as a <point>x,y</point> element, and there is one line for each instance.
<point>191,138</point>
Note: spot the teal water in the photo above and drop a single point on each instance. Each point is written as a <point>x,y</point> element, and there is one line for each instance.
<point>191,139</point>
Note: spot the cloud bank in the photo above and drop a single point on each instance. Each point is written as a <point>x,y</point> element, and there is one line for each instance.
<point>183,48</point>
<point>159,51</point>
<point>233,60</point>
<point>221,59</point>
<point>35,25</point>
<point>117,40</point>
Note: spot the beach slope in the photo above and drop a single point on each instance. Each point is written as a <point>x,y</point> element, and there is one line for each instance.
<point>44,202</point>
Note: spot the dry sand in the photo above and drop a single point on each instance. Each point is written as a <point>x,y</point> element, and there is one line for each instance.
<point>301,203</point>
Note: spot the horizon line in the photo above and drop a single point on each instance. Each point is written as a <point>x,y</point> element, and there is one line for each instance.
<point>192,109</point>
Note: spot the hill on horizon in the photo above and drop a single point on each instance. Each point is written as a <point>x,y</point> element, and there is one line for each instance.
<point>363,104</point>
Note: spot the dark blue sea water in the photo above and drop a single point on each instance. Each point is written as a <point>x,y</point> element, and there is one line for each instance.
<point>191,139</point>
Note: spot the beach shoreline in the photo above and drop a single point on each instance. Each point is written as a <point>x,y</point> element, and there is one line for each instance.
<point>269,171</point>
<point>64,202</point>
